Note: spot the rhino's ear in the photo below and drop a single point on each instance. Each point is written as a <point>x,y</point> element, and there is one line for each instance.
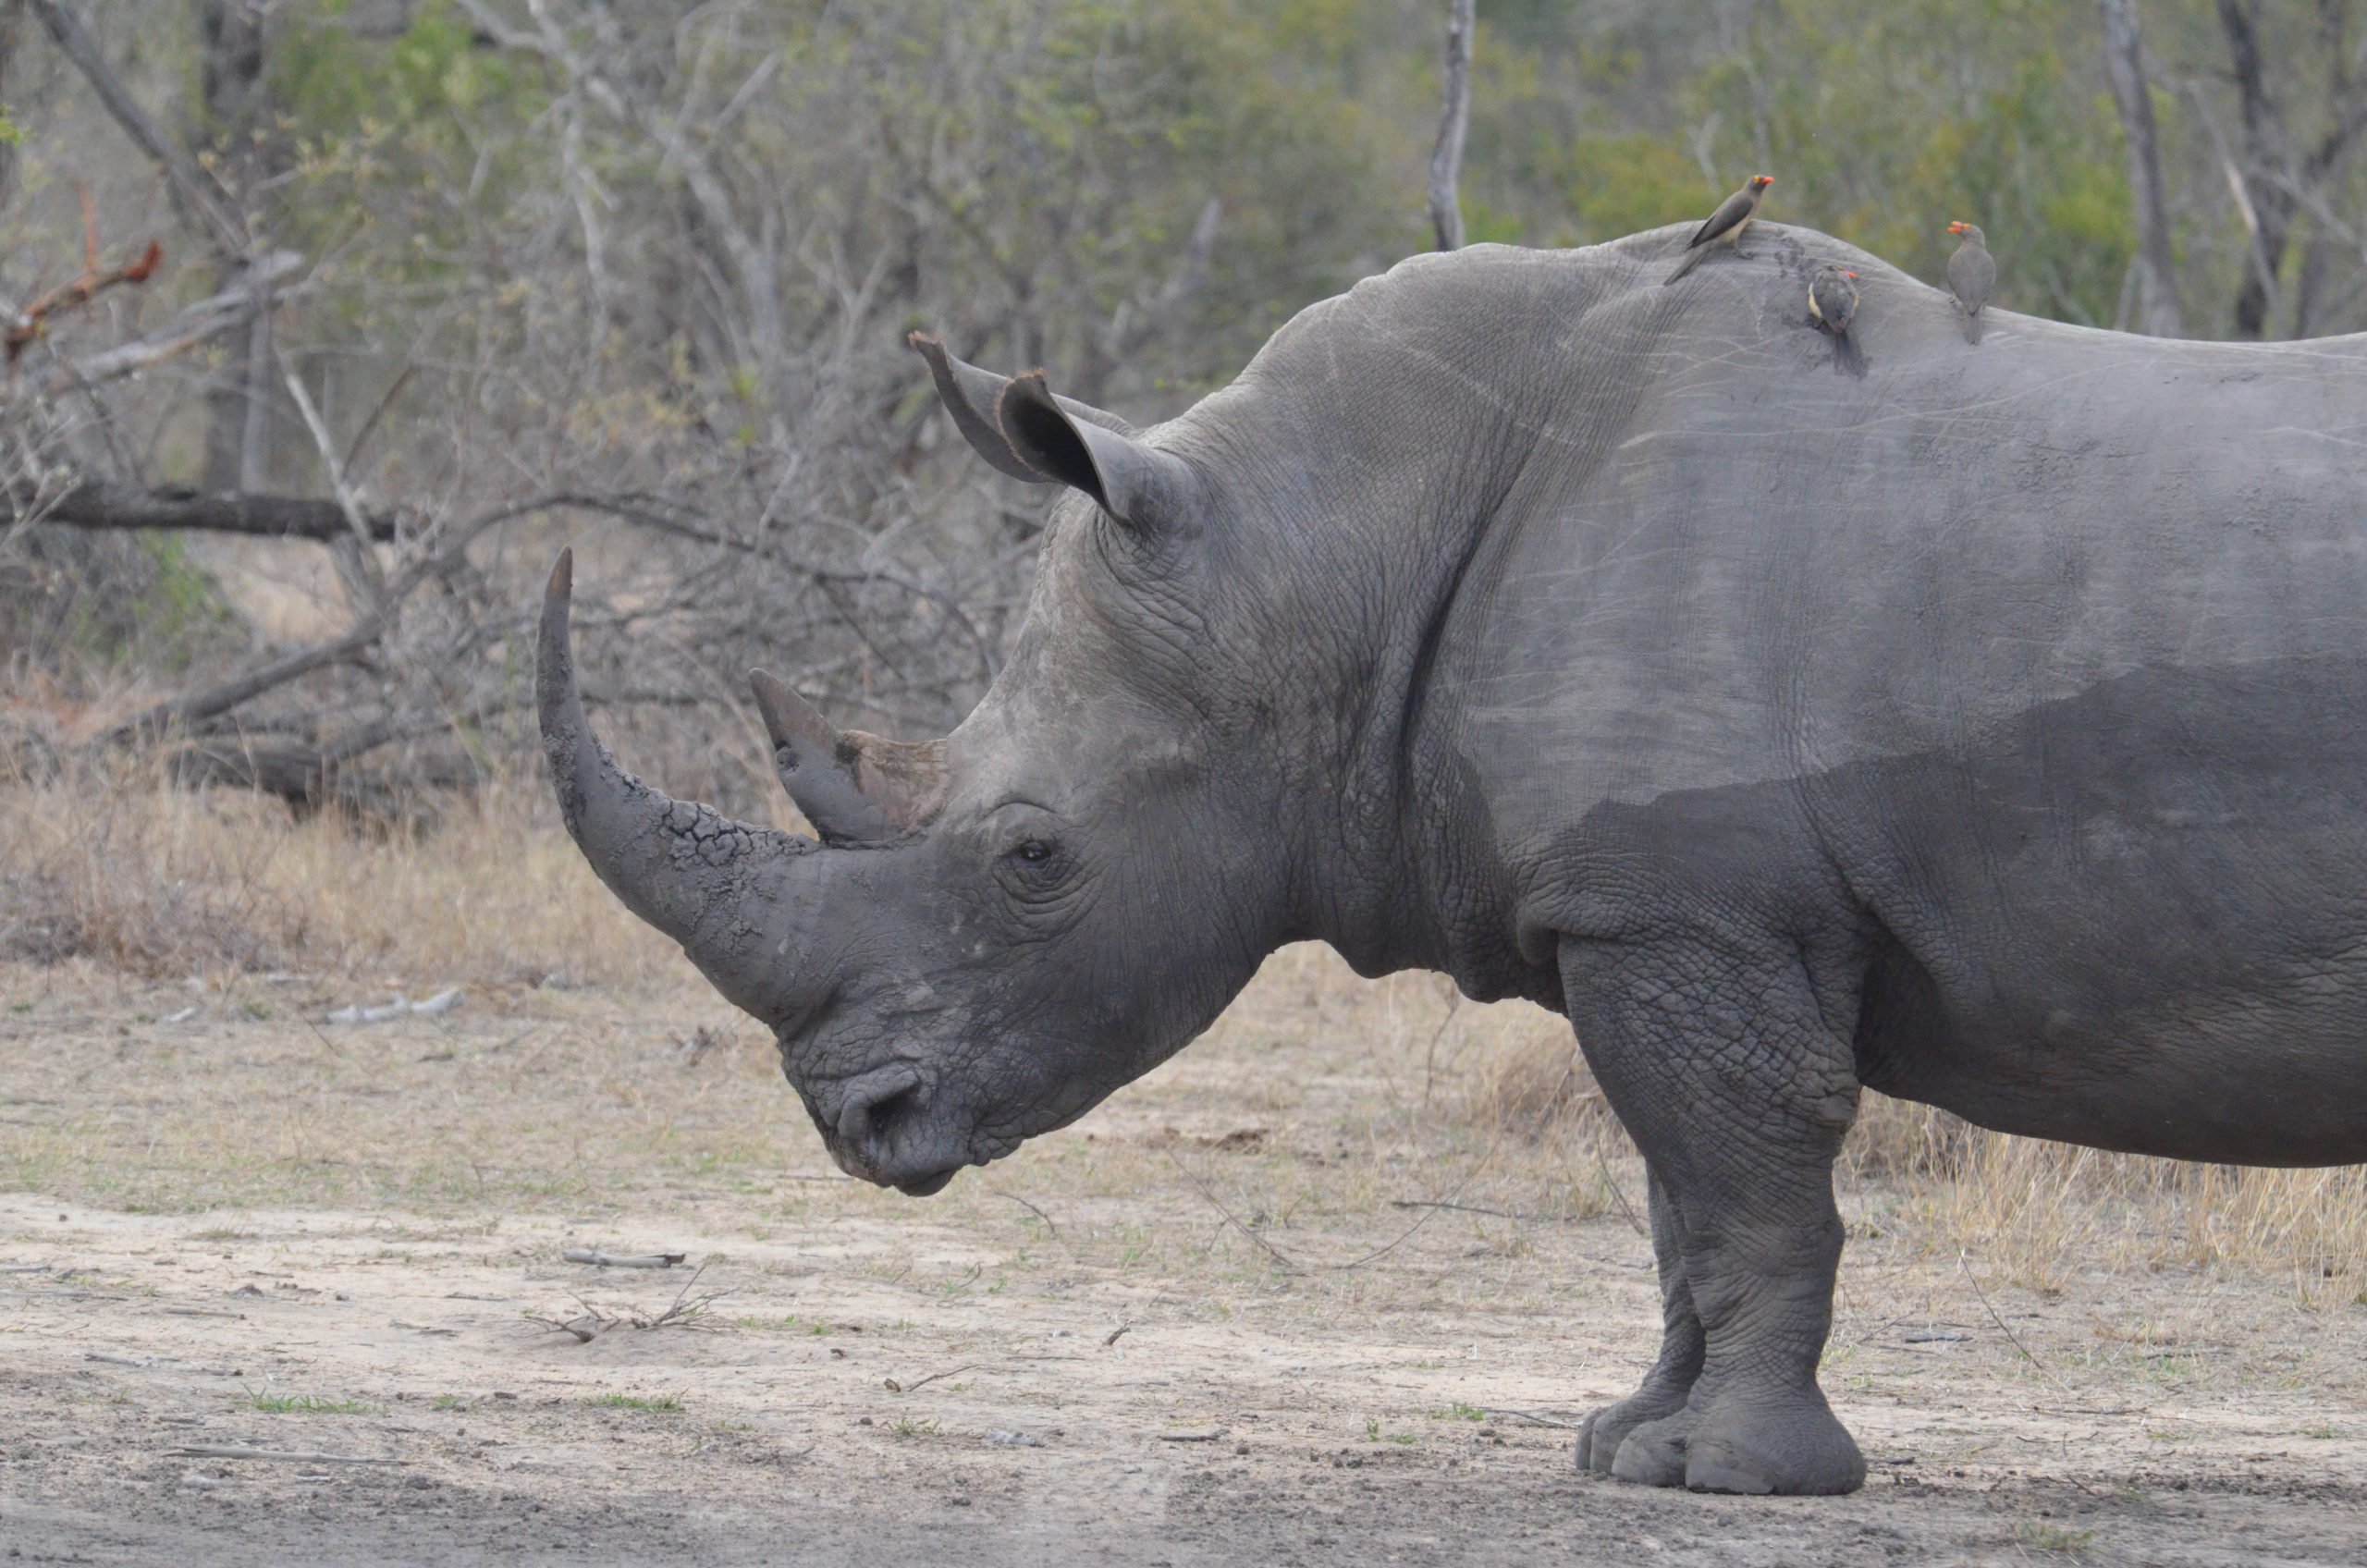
<point>1138,486</point>
<point>970,395</point>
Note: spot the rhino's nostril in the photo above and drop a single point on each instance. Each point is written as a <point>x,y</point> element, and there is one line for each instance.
<point>886,1113</point>
<point>873,1106</point>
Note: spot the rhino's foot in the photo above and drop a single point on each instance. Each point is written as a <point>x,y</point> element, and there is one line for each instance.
<point>1606,1430</point>
<point>1795,1448</point>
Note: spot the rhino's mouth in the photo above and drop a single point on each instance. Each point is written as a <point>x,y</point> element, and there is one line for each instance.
<point>890,1125</point>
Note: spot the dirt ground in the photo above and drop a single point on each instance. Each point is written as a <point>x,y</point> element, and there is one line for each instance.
<point>1222,1320</point>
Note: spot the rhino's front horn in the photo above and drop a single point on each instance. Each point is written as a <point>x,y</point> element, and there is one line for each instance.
<point>736,896</point>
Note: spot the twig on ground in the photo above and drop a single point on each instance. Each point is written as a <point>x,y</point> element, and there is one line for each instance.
<point>1534,1418</point>
<point>599,1259</point>
<point>2009,1334</point>
<point>1190,1437</point>
<point>436,1006</point>
<point>281,1456</point>
<point>1616,1262</point>
<point>576,1326</point>
<point>1612,1182</point>
<point>1031,1208</point>
<point>1430,1053</point>
<point>1473,1209</point>
<point>1115,1334</point>
<point>1269,1249</point>
<point>686,1306</point>
<point>896,1388</point>
<point>1430,1211</point>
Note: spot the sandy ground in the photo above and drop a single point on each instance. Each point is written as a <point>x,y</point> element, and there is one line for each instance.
<point>1197,1329</point>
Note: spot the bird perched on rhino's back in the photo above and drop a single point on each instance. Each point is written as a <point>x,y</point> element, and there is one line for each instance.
<point>1972,271</point>
<point>1833,301</point>
<point>1725,226</point>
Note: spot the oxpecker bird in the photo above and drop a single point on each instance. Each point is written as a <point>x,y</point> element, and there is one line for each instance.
<point>1833,301</point>
<point>1726,224</point>
<point>1972,272</point>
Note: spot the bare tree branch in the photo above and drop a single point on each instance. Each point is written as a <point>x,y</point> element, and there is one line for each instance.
<point>203,705</point>
<point>208,318</point>
<point>98,505</point>
<point>1455,118</point>
<point>199,195</point>
<point>2158,312</point>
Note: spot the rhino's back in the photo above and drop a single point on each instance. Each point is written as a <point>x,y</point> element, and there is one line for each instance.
<point>1770,567</point>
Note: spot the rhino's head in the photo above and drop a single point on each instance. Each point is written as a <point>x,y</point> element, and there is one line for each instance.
<point>999,929</point>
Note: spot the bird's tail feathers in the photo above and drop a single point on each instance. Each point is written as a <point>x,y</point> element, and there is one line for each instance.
<point>1971,324</point>
<point>1692,260</point>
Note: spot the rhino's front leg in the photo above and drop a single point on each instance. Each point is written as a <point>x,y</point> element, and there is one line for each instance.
<point>1737,1087</point>
<point>1665,1387</point>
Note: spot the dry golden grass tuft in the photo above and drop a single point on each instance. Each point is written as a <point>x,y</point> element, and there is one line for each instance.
<point>100,858</point>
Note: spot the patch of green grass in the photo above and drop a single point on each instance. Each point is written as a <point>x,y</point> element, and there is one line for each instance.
<point>2056,1538</point>
<point>1372,1431</point>
<point>906,1426</point>
<point>656,1404</point>
<point>1458,1411</point>
<point>450,1401</point>
<point>2322,1431</point>
<point>1408,1439</point>
<point>305,1404</point>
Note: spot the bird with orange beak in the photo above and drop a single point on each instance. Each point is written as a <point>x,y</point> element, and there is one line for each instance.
<point>1725,226</point>
<point>1972,271</point>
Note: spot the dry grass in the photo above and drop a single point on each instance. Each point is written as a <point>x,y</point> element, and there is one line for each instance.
<point>99,860</point>
<point>115,888</point>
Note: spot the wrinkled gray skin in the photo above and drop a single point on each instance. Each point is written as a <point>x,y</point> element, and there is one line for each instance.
<point>1990,730</point>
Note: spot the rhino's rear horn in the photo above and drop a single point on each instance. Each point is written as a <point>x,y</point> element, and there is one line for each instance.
<point>970,395</point>
<point>856,788</point>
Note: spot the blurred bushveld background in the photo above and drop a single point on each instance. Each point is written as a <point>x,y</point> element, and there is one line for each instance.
<point>444,281</point>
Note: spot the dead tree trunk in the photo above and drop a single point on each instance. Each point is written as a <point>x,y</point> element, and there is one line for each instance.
<point>12,28</point>
<point>239,402</point>
<point>1455,118</point>
<point>2279,178</point>
<point>2158,283</point>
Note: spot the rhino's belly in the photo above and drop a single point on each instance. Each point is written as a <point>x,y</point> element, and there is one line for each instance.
<point>2136,919</point>
<point>2268,1075</point>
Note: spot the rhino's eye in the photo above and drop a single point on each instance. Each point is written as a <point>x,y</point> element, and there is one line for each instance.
<point>1034,852</point>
